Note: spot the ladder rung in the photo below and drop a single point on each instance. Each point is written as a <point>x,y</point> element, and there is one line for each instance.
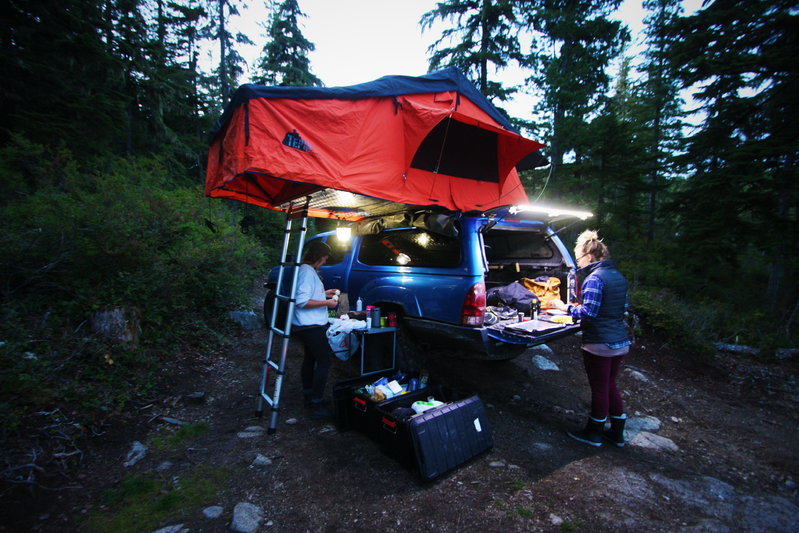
<point>267,399</point>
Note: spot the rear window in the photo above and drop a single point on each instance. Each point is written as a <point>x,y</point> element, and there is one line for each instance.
<point>410,247</point>
<point>518,245</point>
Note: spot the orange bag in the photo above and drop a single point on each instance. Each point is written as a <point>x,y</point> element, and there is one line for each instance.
<point>545,288</point>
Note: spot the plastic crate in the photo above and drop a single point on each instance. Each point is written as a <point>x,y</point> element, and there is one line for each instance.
<point>353,407</point>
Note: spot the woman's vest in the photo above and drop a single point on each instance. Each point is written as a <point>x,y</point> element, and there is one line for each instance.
<point>608,326</point>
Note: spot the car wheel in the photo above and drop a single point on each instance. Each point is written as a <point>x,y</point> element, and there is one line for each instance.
<point>269,300</point>
<point>410,356</point>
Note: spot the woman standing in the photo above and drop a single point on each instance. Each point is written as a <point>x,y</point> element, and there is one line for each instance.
<point>604,342</point>
<point>309,324</point>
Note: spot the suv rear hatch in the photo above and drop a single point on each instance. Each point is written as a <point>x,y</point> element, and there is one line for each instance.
<point>521,245</point>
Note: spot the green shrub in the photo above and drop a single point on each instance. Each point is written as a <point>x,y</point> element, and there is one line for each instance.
<point>120,233</point>
<point>685,327</point>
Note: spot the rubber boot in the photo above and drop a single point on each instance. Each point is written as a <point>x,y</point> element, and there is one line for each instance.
<point>592,433</point>
<point>615,435</point>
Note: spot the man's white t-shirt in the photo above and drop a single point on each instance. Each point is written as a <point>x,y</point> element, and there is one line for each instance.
<point>309,287</point>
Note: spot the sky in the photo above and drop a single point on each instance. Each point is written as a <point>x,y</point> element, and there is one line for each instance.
<point>361,40</point>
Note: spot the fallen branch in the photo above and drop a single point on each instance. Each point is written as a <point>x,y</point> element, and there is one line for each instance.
<point>736,348</point>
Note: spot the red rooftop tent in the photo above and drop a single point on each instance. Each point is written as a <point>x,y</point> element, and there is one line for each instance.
<point>432,140</point>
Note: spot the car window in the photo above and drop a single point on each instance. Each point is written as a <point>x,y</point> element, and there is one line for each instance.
<point>516,245</point>
<point>410,247</point>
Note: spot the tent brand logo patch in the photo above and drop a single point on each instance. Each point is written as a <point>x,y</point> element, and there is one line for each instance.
<point>293,140</point>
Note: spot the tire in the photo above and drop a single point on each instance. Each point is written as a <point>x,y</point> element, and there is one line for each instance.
<point>410,356</point>
<point>268,303</point>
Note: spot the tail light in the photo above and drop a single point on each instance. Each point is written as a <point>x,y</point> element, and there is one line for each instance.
<point>474,306</point>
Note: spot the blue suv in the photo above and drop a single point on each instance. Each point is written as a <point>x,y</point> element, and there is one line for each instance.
<point>433,270</point>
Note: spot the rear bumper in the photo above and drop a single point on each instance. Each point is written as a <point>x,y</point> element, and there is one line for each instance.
<point>480,343</point>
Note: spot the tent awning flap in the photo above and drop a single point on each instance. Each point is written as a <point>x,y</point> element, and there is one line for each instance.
<point>427,141</point>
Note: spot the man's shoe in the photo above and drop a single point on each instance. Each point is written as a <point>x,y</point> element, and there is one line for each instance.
<point>320,410</point>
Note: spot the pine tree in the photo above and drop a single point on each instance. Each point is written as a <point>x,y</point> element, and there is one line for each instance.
<point>662,104</point>
<point>741,200</point>
<point>482,36</point>
<point>614,161</point>
<point>284,59</point>
<point>230,61</point>
<point>577,41</point>
<point>61,85</point>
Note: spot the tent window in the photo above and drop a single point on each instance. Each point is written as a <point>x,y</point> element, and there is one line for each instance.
<point>457,149</point>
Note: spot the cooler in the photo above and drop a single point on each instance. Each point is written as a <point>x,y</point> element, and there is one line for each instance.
<point>438,440</point>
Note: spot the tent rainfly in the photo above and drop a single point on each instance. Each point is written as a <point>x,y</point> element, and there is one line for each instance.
<point>431,140</point>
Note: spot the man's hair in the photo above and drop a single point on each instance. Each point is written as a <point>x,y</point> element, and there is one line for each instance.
<point>315,251</point>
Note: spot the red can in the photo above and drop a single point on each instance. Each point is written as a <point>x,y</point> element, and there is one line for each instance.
<point>392,320</point>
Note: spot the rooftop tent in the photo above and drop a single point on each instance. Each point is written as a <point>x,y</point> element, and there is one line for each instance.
<point>432,140</point>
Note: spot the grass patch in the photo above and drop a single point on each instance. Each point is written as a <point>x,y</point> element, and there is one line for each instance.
<point>176,438</point>
<point>571,526</point>
<point>524,512</point>
<point>144,503</point>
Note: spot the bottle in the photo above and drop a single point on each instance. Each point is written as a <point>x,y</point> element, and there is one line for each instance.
<point>571,284</point>
<point>359,304</point>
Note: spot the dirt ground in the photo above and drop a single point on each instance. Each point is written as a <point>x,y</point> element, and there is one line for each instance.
<point>733,421</point>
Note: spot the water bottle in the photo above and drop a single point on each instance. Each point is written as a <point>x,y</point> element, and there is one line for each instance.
<point>571,283</point>
<point>359,304</point>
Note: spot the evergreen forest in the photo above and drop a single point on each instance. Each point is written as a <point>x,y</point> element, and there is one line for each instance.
<point>686,153</point>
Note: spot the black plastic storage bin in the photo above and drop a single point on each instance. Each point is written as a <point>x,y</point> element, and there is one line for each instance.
<point>353,408</point>
<point>438,440</point>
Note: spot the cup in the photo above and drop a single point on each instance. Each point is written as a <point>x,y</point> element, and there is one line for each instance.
<point>375,317</point>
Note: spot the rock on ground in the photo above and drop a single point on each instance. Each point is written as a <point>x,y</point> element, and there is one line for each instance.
<point>246,517</point>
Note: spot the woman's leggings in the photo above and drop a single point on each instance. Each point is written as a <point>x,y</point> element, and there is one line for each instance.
<point>605,395</point>
<point>317,360</point>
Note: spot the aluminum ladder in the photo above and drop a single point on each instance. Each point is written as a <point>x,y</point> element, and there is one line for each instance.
<point>275,370</point>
